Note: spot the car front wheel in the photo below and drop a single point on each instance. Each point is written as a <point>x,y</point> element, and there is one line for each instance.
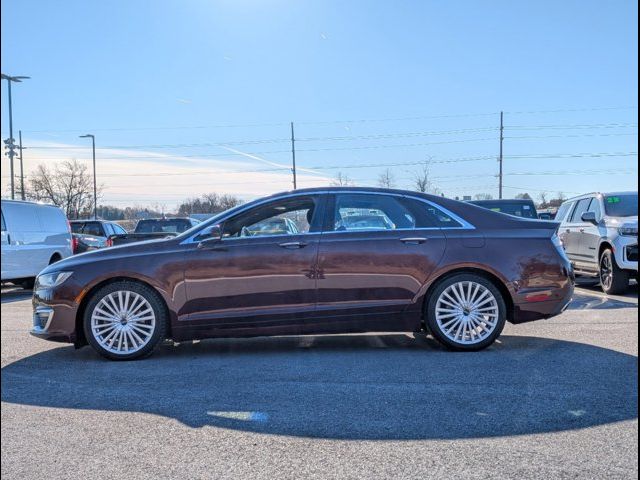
<point>612,279</point>
<point>466,312</point>
<point>125,321</point>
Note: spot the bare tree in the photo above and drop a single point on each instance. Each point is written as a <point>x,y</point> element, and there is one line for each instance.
<point>483,196</point>
<point>386,179</point>
<point>69,185</point>
<point>208,203</point>
<point>342,180</point>
<point>523,196</point>
<point>421,180</point>
<point>543,199</point>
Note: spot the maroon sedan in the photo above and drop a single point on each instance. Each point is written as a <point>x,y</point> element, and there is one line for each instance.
<point>352,260</point>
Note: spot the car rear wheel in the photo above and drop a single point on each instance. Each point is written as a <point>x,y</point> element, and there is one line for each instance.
<point>125,321</point>
<point>612,279</point>
<point>466,312</point>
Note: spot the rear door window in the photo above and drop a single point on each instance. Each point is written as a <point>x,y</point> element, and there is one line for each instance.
<point>368,212</point>
<point>581,207</point>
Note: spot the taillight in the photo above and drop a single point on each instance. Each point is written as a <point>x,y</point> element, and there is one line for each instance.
<point>74,240</point>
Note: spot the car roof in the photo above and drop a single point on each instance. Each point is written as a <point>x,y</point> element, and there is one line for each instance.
<point>8,200</point>
<point>604,194</point>
<point>501,200</point>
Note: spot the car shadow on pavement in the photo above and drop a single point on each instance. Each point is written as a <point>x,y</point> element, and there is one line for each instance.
<point>591,302</point>
<point>348,387</point>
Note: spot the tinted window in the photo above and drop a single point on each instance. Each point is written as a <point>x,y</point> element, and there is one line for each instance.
<point>621,205</point>
<point>563,210</point>
<point>429,216</point>
<point>287,217</point>
<point>519,209</point>
<point>169,225</point>
<point>93,228</point>
<point>4,227</point>
<point>76,227</point>
<point>581,207</point>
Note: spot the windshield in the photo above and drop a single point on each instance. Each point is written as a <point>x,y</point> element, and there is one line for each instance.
<point>621,205</point>
<point>214,220</point>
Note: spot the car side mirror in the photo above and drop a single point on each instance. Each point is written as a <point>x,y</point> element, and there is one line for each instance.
<point>209,235</point>
<point>589,217</point>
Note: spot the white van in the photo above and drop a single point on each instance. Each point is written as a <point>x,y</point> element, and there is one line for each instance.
<point>33,236</point>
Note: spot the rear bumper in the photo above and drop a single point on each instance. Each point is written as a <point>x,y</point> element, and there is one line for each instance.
<point>546,303</point>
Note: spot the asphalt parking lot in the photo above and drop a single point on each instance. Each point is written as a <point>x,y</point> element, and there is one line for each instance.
<point>553,399</point>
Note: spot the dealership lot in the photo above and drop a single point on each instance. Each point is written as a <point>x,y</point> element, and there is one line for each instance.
<point>554,398</point>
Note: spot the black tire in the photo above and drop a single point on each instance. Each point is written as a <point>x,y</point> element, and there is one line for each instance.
<point>613,279</point>
<point>54,258</point>
<point>435,329</point>
<point>157,305</point>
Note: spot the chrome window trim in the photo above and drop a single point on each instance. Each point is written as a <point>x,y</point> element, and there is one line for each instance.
<point>464,224</point>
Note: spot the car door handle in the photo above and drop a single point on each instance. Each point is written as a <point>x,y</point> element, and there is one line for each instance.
<point>292,245</point>
<point>413,240</point>
<point>568,230</point>
<point>582,230</point>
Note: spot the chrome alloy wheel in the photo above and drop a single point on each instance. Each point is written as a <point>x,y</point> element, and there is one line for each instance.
<point>123,322</point>
<point>606,272</point>
<point>467,312</point>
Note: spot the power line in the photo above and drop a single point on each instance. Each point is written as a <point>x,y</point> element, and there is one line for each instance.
<point>331,122</point>
<point>278,140</point>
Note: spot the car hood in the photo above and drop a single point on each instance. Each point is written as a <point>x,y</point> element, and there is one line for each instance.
<point>619,221</point>
<point>111,253</point>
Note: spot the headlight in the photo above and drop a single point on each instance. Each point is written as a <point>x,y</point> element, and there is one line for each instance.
<point>50,280</point>
<point>628,230</point>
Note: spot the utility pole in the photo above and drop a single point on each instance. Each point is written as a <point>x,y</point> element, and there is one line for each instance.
<point>95,184</point>
<point>500,158</point>
<point>293,157</point>
<point>20,147</point>
<point>10,142</point>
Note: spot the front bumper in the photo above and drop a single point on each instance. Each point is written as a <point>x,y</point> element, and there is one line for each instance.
<point>626,252</point>
<point>53,319</point>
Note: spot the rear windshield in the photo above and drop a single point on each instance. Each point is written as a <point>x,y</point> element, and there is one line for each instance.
<point>621,205</point>
<point>76,227</point>
<point>518,209</point>
<point>175,225</point>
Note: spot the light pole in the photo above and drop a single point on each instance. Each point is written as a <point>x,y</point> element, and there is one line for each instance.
<point>95,185</point>
<point>11,141</point>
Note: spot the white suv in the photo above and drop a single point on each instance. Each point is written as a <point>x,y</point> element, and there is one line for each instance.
<point>599,232</point>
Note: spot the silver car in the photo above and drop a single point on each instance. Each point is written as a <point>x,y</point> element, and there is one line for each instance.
<point>599,232</point>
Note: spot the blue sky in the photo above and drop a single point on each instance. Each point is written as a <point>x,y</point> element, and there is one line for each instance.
<point>185,89</point>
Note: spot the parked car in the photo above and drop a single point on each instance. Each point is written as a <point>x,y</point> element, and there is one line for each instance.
<point>271,226</point>
<point>92,234</point>
<point>547,213</point>
<point>365,222</point>
<point>33,236</point>
<point>517,206</point>
<point>450,268</point>
<point>155,229</point>
<point>599,232</point>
